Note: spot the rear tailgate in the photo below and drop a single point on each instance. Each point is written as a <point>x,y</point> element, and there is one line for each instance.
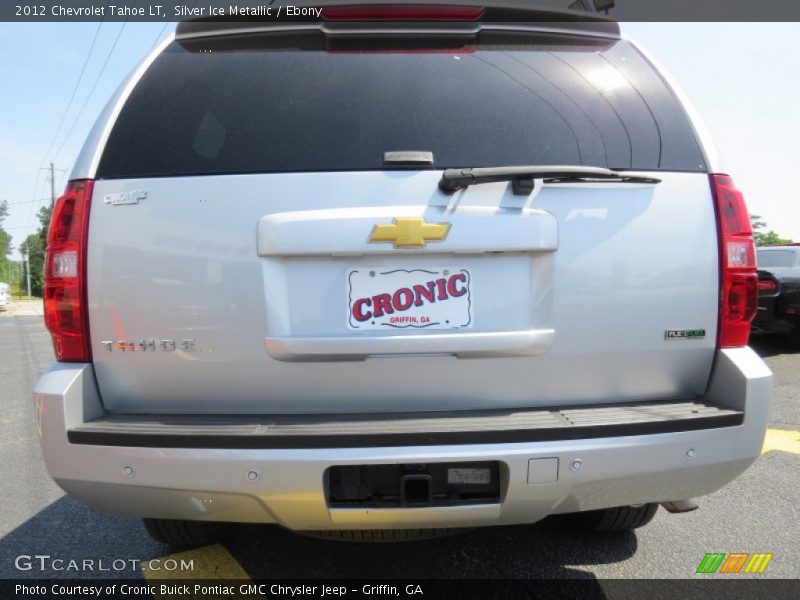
<point>230,234</point>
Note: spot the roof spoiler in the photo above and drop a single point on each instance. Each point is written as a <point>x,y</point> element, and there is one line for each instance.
<point>372,16</point>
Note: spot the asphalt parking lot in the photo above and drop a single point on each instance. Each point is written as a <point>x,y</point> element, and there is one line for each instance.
<point>756,513</point>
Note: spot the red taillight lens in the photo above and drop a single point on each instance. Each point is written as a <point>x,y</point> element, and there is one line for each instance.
<point>738,282</point>
<point>65,310</point>
<point>767,285</point>
<point>402,12</point>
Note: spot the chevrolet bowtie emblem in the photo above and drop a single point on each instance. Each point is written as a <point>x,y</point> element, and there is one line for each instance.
<point>409,233</point>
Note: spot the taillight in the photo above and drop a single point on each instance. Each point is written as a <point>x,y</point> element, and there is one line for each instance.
<point>401,12</point>
<point>767,285</point>
<point>738,280</point>
<point>65,310</point>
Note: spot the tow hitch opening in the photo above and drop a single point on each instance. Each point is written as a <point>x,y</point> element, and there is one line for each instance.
<point>416,489</point>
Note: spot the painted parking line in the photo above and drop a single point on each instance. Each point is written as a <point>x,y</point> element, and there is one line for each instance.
<point>212,562</point>
<point>784,440</point>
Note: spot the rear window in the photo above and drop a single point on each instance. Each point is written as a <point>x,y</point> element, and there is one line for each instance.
<point>241,106</point>
<point>776,258</point>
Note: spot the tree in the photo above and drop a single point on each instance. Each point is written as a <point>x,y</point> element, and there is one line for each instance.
<point>44,215</point>
<point>5,246</point>
<point>6,266</point>
<point>34,248</point>
<point>770,238</point>
<point>35,245</point>
<point>5,238</point>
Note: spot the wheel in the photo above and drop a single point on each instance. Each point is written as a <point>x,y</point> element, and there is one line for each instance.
<point>382,535</point>
<point>183,533</point>
<point>619,518</point>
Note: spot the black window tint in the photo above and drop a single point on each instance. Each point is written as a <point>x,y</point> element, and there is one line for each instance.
<point>223,107</point>
<point>775,258</point>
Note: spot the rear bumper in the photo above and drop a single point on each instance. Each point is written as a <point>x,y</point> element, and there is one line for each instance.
<point>218,484</point>
<point>772,316</point>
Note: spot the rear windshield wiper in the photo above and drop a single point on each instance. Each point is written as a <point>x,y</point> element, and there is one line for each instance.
<point>522,178</point>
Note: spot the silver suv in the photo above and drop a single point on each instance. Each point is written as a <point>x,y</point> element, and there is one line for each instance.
<point>395,271</point>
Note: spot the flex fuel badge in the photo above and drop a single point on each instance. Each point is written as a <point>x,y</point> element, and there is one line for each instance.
<point>684,334</point>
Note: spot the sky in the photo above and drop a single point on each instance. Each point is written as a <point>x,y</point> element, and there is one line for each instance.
<point>741,78</point>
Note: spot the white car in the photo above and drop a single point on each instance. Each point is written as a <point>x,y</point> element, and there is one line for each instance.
<point>5,293</point>
<point>397,271</point>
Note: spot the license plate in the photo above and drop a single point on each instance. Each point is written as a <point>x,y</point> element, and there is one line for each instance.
<point>381,298</point>
<point>469,476</point>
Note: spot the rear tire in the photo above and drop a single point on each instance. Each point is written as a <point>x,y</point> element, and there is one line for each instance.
<point>382,535</point>
<point>619,518</point>
<point>183,533</point>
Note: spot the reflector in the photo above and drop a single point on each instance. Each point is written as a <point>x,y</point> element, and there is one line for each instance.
<point>767,285</point>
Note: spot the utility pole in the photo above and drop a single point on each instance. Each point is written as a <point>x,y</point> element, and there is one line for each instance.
<point>52,188</point>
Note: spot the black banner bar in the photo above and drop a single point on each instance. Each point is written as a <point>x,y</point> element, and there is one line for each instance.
<point>730,588</point>
<point>302,10</point>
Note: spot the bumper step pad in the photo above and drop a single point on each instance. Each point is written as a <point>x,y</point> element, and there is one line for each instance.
<point>404,429</point>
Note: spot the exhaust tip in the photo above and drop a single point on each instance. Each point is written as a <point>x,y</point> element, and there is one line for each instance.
<point>681,506</point>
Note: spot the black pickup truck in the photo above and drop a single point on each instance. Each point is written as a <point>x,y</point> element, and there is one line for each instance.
<point>779,291</point>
